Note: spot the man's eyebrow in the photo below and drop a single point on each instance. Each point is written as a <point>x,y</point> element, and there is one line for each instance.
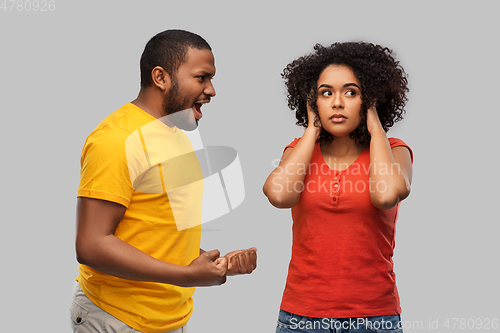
<point>210,74</point>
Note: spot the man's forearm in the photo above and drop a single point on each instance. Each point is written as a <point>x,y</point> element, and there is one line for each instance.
<point>115,257</point>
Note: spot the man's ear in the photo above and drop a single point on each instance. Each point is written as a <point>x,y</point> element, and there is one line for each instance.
<point>160,78</point>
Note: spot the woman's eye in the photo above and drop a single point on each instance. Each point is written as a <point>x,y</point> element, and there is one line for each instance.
<point>326,93</point>
<point>351,93</point>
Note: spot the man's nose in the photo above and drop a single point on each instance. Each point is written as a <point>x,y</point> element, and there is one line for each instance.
<point>209,89</point>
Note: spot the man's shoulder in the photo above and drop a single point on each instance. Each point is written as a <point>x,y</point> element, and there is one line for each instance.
<point>121,123</point>
<point>128,118</point>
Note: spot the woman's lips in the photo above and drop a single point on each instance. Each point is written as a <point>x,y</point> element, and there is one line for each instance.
<point>338,118</point>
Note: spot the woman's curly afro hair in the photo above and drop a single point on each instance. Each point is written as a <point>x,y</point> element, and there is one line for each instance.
<point>383,81</point>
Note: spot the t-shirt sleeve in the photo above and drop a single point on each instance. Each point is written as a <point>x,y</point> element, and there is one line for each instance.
<point>292,144</point>
<point>397,143</point>
<point>104,172</point>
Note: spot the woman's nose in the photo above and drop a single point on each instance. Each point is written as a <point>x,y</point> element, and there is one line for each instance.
<point>337,102</point>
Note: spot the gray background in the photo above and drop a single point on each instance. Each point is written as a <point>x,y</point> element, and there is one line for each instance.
<point>62,72</point>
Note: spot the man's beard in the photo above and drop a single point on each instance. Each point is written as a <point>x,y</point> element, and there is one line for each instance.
<point>179,111</point>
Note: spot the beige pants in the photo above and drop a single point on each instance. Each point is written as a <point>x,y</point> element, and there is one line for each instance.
<point>86,317</point>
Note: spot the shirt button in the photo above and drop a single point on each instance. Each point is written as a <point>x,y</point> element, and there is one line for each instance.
<point>334,199</point>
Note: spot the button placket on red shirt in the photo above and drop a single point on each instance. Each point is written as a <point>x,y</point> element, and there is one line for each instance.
<point>335,186</point>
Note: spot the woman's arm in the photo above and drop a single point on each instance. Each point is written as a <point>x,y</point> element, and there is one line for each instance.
<point>280,187</point>
<point>390,169</point>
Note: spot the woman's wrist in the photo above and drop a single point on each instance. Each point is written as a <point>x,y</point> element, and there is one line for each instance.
<point>377,131</point>
<point>312,131</point>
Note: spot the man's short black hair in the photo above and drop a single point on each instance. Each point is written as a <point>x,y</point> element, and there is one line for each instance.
<point>168,50</point>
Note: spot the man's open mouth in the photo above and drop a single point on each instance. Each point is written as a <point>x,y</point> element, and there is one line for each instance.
<point>197,108</point>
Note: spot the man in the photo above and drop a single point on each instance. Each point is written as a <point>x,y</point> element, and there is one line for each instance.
<point>138,269</point>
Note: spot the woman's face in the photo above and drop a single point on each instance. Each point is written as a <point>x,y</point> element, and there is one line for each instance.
<point>339,100</point>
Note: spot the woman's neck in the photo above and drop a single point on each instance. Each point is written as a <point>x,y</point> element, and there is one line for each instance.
<point>341,148</point>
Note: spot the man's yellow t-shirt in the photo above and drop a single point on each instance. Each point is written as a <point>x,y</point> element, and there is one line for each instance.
<point>126,160</point>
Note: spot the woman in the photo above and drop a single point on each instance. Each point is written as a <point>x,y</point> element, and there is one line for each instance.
<point>344,180</point>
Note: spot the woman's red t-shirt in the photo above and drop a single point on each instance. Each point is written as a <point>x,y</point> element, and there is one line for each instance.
<point>341,265</point>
